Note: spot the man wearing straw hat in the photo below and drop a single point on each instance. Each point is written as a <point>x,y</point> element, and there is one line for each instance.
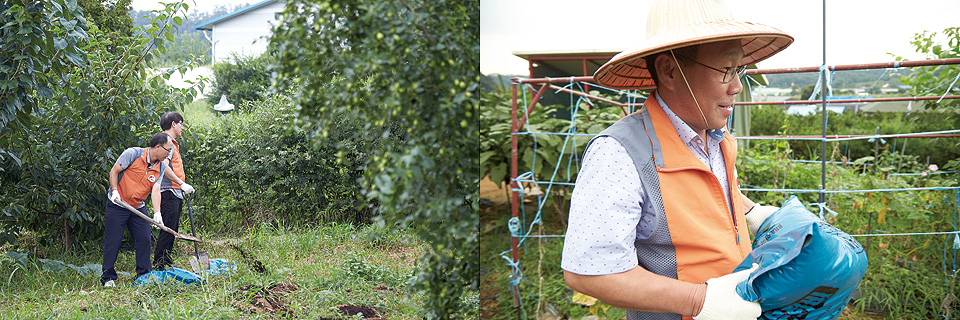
<point>657,219</point>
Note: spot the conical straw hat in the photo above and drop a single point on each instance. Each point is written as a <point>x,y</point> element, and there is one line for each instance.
<point>673,24</point>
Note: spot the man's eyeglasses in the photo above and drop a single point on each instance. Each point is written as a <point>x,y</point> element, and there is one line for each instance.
<point>168,150</point>
<point>729,73</point>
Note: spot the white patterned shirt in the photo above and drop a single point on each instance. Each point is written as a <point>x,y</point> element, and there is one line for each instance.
<point>609,209</point>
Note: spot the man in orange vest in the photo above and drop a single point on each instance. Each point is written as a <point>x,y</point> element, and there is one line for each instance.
<point>169,194</point>
<point>657,219</point>
<point>131,181</point>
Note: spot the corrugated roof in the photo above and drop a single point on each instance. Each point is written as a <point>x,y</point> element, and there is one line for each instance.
<point>209,24</point>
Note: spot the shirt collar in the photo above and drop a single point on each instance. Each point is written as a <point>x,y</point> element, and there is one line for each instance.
<point>683,129</point>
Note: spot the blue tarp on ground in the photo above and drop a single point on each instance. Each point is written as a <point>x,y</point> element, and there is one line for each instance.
<point>181,276</point>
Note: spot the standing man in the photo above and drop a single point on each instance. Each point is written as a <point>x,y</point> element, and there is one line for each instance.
<point>170,195</point>
<point>131,181</point>
<point>657,219</point>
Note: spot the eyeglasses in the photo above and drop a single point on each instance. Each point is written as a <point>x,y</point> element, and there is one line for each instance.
<point>729,73</point>
<point>168,150</point>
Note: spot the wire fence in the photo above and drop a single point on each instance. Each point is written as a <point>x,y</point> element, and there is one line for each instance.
<point>521,226</point>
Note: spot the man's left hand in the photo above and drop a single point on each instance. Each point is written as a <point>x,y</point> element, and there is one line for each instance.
<point>188,189</point>
<point>757,215</point>
<point>158,218</point>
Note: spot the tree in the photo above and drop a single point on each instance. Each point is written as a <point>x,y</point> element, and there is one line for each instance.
<point>112,20</point>
<point>939,79</point>
<point>81,117</point>
<point>39,42</point>
<point>406,73</point>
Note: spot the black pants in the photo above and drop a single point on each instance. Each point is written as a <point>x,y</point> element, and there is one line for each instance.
<point>116,220</point>
<point>170,209</point>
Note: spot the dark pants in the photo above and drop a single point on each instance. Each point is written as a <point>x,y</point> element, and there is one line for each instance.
<point>116,220</point>
<point>170,208</point>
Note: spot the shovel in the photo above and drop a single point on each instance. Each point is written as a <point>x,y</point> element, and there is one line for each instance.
<point>200,260</point>
<point>161,226</point>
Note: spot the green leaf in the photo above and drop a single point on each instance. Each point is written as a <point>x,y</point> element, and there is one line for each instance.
<point>53,265</point>
<point>75,58</point>
<point>59,44</point>
<point>18,258</point>
<point>484,156</point>
<point>498,173</point>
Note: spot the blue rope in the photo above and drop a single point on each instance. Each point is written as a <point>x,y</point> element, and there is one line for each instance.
<point>949,87</point>
<point>823,207</point>
<point>809,161</point>
<point>848,191</point>
<point>854,138</point>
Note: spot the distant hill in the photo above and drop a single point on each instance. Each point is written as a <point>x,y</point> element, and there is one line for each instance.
<point>842,79</point>
<point>492,82</point>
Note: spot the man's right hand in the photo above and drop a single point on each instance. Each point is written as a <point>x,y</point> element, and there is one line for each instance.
<point>722,301</point>
<point>115,198</point>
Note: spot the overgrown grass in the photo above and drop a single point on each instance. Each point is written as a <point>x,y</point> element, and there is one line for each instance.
<point>330,266</point>
<point>199,112</point>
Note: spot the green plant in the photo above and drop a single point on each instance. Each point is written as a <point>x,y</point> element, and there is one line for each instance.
<point>773,120</point>
<point>249,166</point>
<point>544,151</point>
<point>925,80</point>
<point>906,274</point>
<point>404,73</point>
<point>243,79</point>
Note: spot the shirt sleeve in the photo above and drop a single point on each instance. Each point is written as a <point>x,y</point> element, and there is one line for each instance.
<point>605,212</point>
<point>128,156</point>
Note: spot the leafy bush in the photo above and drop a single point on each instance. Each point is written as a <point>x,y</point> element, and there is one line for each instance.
<point>906,275</point>
<point>406,71</point>
<point>249,169</point>
<point>243,81</point>
<point>769,120</point>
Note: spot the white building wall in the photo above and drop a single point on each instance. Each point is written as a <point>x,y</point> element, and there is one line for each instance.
<point>246,34</point>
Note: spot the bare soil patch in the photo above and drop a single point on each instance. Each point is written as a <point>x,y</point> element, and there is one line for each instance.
<point>260,300</point>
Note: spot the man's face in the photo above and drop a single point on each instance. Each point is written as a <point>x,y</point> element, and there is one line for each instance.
<point>163,150</point>
<point>177,128</point>
<point>714,97</point>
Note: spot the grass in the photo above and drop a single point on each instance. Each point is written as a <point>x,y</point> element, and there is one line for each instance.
<point>309,273</point>
<point>199,112</point>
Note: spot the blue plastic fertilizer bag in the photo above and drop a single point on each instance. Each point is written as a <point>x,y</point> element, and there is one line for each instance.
<point>168,276</point>
<point>808,268</point>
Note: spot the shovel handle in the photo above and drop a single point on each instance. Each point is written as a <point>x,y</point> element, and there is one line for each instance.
<point>161,226</point>
<point>196,248</point>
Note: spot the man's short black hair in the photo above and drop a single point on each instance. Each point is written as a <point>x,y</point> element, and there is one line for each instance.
<point>167,120</point>
<point>159,139</point>
<point>690,52</point>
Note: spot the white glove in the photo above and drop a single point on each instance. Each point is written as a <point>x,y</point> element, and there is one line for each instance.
<point>722,301</point>
<point>188,189</point>
<point>757,216</point>
<point>115,198</point>
<point>157,217</point>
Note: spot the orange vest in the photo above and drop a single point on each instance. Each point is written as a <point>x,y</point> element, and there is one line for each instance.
<point>712,242</point>
<point>695,236</point>
<point>138,180</point>
<point>176,163</point>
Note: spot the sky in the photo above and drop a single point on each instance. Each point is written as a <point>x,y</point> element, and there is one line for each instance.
<point>858,31</point>
<point>198,5</point>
